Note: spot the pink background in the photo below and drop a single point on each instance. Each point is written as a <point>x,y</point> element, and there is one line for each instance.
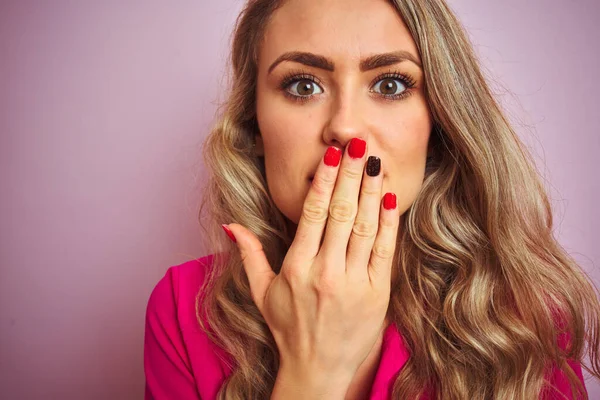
<point>103,107</point>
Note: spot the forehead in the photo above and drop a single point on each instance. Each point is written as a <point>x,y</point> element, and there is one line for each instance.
<point>343,30</point>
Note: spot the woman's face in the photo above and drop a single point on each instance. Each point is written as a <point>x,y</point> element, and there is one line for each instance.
<point>308,102</point>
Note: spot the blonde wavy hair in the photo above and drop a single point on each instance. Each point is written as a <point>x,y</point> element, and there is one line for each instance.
<point>479,281</point>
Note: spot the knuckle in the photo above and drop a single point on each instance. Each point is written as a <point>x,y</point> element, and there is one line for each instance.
<point>364,229</point>
<point>387,222</point>
<point>352,173</point>
<point>341,210</point>
<point>327,284</point>
<point>293,276</point>
<point>314,211</point>
<point>321,184</point>
<point>369,191</point>
<point>383,251</point>
<point>245,253</point>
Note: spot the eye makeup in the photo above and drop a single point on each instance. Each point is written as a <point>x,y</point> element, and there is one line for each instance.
<point>295,76</point>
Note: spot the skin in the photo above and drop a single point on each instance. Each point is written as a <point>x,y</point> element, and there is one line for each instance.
<point>343,104</point>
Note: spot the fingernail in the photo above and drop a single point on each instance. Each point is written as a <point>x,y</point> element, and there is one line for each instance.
<point>357,147</point>
<point>229,233</point>
<point>332,156</point>
<point>389,201</point>
<point>373,166</point>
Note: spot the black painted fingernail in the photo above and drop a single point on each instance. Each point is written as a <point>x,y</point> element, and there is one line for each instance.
<point>373,166</point>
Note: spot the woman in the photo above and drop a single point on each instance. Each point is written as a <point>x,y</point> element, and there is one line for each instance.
<point>394,239</point>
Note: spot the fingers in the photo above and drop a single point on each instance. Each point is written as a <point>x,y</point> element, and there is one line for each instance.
<point>316,207</point>
<point>260,274</point>
<point>366,222</point>
<point>343,208</point>
<point>382,254</point>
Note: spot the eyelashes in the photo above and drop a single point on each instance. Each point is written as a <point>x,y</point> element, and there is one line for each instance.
<point>295,77</point>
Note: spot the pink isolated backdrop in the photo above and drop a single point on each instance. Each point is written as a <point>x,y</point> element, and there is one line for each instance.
<point>103,107</point>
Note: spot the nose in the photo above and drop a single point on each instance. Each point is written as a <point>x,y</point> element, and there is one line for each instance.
<point>346,121</point>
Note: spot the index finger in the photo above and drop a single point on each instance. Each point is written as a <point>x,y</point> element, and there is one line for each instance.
<point>315,209</point>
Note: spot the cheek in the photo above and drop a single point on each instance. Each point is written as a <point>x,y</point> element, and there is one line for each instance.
<point>407,156</point>
<point>288,135</point>
<point>411,148</point>
<point>283,126</point>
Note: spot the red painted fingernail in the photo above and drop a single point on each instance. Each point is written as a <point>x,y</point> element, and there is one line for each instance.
<point>229,233</point>
<point>332,156</point>
<point>357,148</point>
<point>389,201</point>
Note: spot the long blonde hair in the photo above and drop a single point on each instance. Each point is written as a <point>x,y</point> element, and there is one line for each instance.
<point>479,281</point>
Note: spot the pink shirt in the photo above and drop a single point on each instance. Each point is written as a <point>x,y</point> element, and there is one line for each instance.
<point>180,362</point>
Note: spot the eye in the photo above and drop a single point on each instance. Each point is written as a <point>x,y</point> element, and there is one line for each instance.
<point>390,86</point>
<point>304,87</point>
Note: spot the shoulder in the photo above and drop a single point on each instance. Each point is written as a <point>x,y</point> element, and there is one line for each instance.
<point>171,306</point>
<point>179,286</point>
<point>180,279</point>
<point>180,361</point>
<point>174,300</point>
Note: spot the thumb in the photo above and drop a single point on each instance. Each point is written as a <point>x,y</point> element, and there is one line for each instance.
<point>260,274</point>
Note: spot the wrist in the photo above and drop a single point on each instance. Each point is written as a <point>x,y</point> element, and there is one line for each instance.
<point>300,383</point>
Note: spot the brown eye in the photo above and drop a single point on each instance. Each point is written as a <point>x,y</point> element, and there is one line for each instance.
<point>389,86</point>
<point>305,87</point>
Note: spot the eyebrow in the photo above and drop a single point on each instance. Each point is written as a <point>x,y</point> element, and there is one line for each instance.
<point>369,63</point>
